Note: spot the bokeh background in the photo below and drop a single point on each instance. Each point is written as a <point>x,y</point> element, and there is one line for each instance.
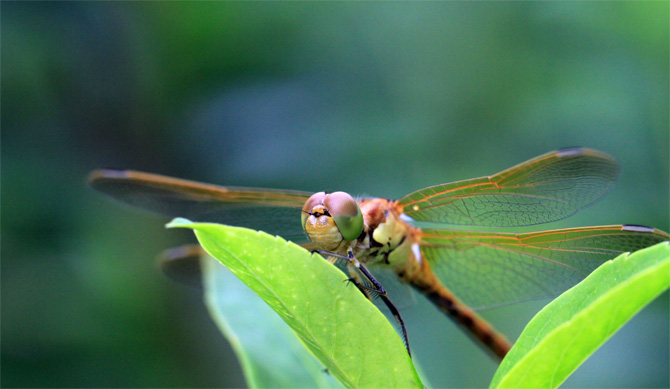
<point>371,98</point>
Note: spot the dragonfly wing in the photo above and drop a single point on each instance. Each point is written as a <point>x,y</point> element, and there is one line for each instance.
<point>545,189</point>
<point>276,212</point>
<point>486,270</point>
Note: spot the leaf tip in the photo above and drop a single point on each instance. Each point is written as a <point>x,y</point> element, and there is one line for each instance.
<point>179,222</point>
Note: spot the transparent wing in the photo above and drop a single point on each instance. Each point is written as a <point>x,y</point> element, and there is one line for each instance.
<point>545,189</point>
<point>486,270</point>
<point>276,212</point>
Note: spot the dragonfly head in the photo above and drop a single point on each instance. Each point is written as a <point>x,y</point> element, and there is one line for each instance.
<point>330,218</point>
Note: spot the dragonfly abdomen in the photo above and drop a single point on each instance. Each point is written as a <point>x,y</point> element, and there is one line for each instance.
<point>477,327</point>
<point>422,278</point>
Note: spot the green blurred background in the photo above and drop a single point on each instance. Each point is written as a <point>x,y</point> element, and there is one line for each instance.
<point>371,98</point>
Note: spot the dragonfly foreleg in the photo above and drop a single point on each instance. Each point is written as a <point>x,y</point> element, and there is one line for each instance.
<point>351,259</point>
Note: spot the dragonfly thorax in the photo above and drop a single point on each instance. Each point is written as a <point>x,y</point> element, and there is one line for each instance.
<point>384,234</point>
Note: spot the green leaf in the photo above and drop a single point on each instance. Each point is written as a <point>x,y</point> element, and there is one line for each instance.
<point>572,327</point>
<point>339,326</point>
<point>258,334</point>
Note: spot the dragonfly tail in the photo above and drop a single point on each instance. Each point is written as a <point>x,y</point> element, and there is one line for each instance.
<point>474,325</point>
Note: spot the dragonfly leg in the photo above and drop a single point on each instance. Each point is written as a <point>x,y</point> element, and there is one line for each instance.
<point>359,283</point>
<point>398,318</point>
<point>377,289</point>
<point>350,259</point>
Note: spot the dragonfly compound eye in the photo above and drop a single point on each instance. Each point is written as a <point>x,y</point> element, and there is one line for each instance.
<point>312,201</point>
<point>344,210</point>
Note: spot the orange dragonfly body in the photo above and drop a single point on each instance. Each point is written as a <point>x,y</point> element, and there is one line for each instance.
<point>458,270</point>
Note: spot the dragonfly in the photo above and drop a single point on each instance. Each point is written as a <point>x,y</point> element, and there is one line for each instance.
<point>460,271</point>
